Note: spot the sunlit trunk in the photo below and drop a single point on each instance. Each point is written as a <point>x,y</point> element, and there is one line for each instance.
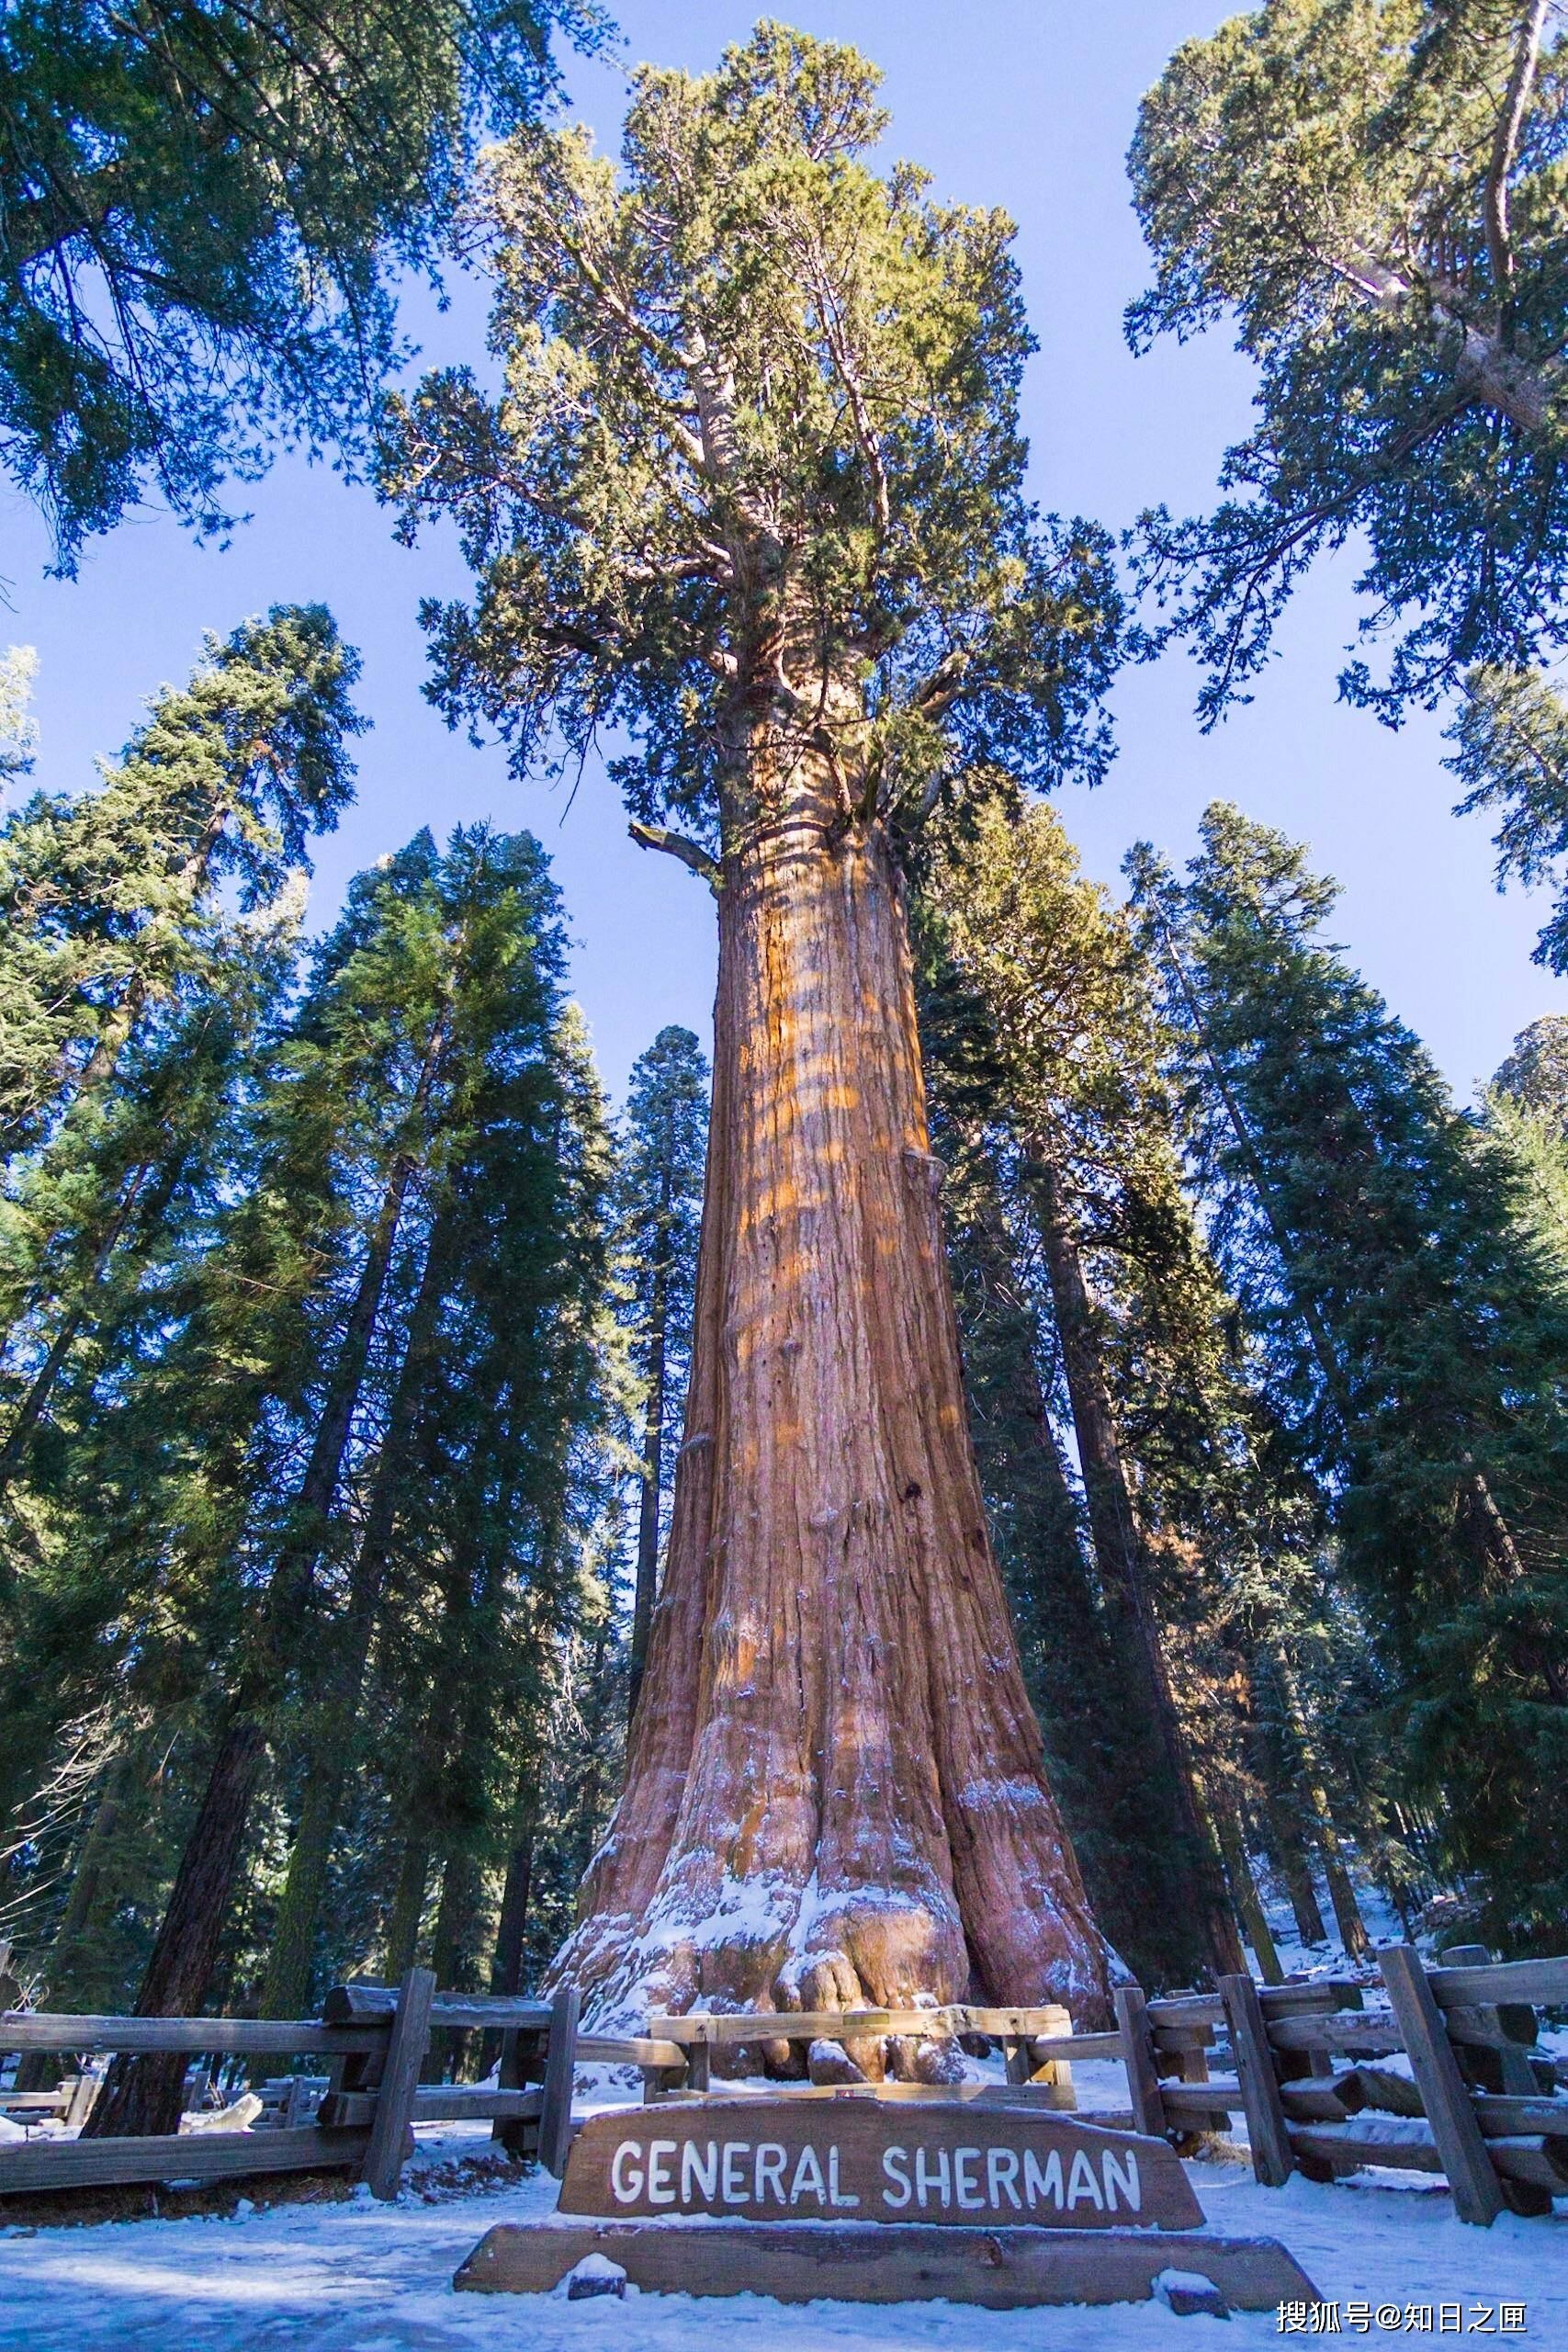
<point>835,1791</point>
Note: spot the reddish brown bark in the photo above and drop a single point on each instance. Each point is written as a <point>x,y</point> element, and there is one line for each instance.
<point>835,1791</point>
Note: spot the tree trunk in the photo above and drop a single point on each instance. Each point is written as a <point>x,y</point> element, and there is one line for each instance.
<point>453,1955</point>
<point>178,1972</point>
<point>835,1792</point>
<point>1341,1892</point>
<point>1121,1550</point>
<point>1289,1854</point>
<point>1244,1887</point>
<point>143,2095</point>
<point>333,1722</point>
<point>511,1926</point>
<point>1071,1664</point>
<point>652,1453</point>
<point>408,1907</point>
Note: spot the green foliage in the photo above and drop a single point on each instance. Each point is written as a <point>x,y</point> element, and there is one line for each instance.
<point>753,481</point>
<point>205,212</point>
<point>1535,1074</point>
<point>119,901</point>
<point>1375,191</point>
<point>1418,1335</point>
<point>659,1194</point>
<point>18,732</point>
<point>1510,734</point>
<point>402,1220</point>
<point>1527,1111</point>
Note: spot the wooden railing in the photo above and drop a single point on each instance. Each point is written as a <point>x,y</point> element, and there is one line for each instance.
<point>1299,2062</point>
<point>1302,2062</point>
<point>375,2039</point>
<point>1479,2104</point>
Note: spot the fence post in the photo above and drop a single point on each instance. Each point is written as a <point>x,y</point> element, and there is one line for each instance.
<point>408,2039</point>
<point>1137,2056</point>
<point>1472,2178</point>
<point>699,2066</point>
<point>1273,2160</point>
<point>560,2066</point>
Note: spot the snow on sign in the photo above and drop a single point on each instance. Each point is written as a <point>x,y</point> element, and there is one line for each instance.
<point>854,2160</point>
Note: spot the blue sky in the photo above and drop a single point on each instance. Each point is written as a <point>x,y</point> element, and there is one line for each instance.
<point>1026,106</point>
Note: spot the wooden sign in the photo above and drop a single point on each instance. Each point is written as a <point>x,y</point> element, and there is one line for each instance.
<point>855,2161</point>
<point>1002,2269</point>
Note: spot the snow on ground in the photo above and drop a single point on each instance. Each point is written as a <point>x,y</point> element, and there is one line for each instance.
<point>357,2277</point>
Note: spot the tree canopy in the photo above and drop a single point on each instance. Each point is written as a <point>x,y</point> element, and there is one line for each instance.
<point>1375,189</point>
<point>202,213</point>
<point>754,480</point>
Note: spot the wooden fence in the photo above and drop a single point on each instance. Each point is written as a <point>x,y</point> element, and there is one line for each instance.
<point>1480,2105</point>
<point>1307,2065</point>
<point>374,2038</point>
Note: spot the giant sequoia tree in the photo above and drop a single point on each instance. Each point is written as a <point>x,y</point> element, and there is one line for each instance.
<point>752,490</point>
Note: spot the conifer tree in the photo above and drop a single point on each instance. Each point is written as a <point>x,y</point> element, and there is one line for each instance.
<point>1417,1338</point>
<point>753,488</point>
<point>660,1193</point>
<point>1373,189</point>
<point>1527,1111</point>
<point>428,981</point>
<point>1078,1100</point>
<point>132,918</point>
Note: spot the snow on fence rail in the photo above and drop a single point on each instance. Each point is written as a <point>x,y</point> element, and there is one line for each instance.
<point>375,2039</point>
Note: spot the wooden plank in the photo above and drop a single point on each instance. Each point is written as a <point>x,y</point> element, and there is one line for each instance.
<point>407,2041</point>
<point>1390,2093</point>
<point>1196,2103</point>
<point>1470,2176</point>
<point>1491,2028</point>
<point>1075,2045</point>
<point>189,2156</point>
<point>1325,1992</point>
<point>724,2028</point>
<point>560,2066</point>
<point>1543,2163</point>
<point>33,2102</point>
<point>1347,2146</point>
<point>1534,1982</point>
<point>1501,2116</point>
<point>1138,2056</point>
<point>253,2037</point>
<point>624,2050</point>
<point>1267,2131</point>
<point>1323,2102</point>
<point>1178,2042</point>
<point>1186,2010</point>
<point>445,2103</point>
<point>520,2065</point>
<point>357,2004</point>
<point>699,2066</point>
<point>1047,2096</point>
<point>1007,2269</point>
<point>1374,2035</point>
<point>948,2163</point>
<point>84,2090</point>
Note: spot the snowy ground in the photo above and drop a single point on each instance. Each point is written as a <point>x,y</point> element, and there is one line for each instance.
<point>360,2277</point>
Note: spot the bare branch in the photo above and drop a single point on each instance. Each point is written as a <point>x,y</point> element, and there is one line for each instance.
<point>677,846</point>
<point>1504,151</point>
